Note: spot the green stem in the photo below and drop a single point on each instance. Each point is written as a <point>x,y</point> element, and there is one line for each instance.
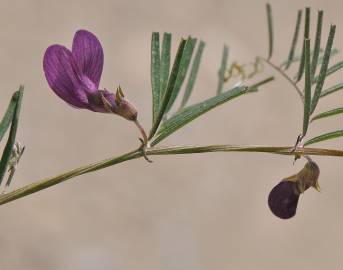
<point>45,183</point>
<point>281,150</point>
<point>48,182</point>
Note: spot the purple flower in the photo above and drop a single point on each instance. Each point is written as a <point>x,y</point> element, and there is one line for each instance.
<point>75,76</point>
<point>283,198</point>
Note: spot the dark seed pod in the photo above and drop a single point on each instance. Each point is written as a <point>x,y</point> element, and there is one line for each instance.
<point>284,197</point>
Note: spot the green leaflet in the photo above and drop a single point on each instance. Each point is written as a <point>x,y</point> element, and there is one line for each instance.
<point>335,67</point>
<point>331,69</point>
<point>331,90</point>
<point>6,155</point>
<point>306,36</point>
<point>270,30</point>
<point>323,69</point>
<point>327,114</point>
<point>7,119</point>
<point>307,89</point>
<point>294,41</point>
<point>193,74</point>
<point>184,65</point>
<point>170,87</point>
<point>334,52</point>
<point>254,87</point>
<point>165,63</point>
<point>325,137</point>
<point>155,73</point>
<point>189,113</point>
<point>221,72</point>
<point>316,49</point>
<point>296,58</point>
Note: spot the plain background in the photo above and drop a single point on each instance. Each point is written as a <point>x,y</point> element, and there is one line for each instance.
<point>205,211</point>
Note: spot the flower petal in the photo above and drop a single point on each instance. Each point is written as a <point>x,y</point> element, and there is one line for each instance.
<point>283,199</point>
<point>63,76</point>
<point>89,55</point>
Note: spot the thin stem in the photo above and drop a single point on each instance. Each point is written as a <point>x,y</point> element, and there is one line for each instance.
<point>145,140</point>
<point>142,131</point>
<point>48,182</point>
<point>45,183</point>
<point>286,77</point>
<point>281,150</point>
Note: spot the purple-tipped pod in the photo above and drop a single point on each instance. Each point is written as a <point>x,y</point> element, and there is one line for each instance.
<point>284,197</point>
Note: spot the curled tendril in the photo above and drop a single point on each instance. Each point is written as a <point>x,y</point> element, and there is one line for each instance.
<point>243,71</point>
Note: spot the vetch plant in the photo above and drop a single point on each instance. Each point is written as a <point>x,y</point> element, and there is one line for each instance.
<point>74,75</point>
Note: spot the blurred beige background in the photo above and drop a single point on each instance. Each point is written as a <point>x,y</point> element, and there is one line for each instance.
<point>206,211</point>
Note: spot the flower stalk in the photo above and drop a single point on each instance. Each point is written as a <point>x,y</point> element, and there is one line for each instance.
<point>142,131</point>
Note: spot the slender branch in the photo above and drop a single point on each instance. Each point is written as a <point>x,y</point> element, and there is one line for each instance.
<point>48,182</point>
<point>45,183</point>
<point>286,77</point>
<point>281,150</point>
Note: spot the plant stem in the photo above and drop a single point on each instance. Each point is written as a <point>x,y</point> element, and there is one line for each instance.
<point>281,150</point>
<point>48,182</point>
<point>45,183</point>
<point>286,77</point>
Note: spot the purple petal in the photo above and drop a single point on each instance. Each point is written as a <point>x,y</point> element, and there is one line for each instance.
<point>63,76</point>
<point>283,199</point>
<point>89,55</point>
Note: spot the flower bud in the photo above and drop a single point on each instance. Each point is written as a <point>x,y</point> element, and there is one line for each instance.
<point>283,199</point>
<point>124,107</point>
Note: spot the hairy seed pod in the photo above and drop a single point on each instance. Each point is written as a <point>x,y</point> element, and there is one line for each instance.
<point>283,198</point>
